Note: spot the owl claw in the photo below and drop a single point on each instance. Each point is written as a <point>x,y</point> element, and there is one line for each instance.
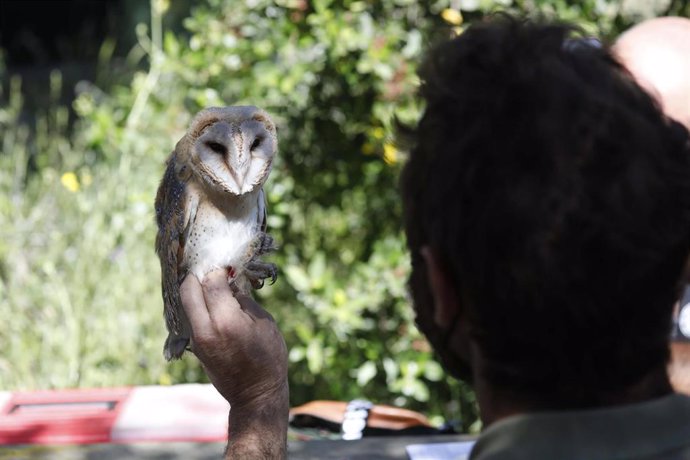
<point>264,244</point>
<point>257,283</point>
<point>256,272</point>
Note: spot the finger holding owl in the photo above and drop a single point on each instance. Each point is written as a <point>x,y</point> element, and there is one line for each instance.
<point>210,209</point>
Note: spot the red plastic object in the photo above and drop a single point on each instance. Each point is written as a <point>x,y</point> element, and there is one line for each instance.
<point>192,412</point>
<point>58,417</point>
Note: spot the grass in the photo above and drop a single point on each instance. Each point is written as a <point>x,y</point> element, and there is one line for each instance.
<point>79,281</point>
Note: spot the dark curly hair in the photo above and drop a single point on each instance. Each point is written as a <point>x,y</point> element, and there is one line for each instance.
<point>557,196</point>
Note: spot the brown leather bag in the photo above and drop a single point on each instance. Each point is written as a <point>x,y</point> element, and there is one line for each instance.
<point>360,418</point>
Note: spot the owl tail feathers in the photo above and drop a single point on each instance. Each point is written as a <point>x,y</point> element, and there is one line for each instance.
<point>174,347</point>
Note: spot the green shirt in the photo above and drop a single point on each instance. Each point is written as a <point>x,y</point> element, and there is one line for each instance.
<point>657,429</point>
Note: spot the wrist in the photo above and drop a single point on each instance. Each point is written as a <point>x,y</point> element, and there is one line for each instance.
<point>258,428</point>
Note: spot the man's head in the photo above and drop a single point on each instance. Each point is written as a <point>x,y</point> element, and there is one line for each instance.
<point>547,209</point>
<point>657,53</point>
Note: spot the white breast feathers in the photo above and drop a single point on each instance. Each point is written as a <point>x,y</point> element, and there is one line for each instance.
<point>221,238</point>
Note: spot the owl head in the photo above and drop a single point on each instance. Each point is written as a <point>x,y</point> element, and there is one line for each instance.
<point>230,149</point>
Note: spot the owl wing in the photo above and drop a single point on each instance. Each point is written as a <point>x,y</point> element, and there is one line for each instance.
<point>261,215</point>
<point>265,241</point>
<point>173,216</point>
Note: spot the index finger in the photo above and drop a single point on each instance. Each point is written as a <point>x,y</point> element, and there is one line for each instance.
<point>194,304</point>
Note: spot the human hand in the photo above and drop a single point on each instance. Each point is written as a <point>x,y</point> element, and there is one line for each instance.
<point>245,357</point>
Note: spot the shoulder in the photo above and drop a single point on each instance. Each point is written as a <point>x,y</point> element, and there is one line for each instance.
<point>649,430</point>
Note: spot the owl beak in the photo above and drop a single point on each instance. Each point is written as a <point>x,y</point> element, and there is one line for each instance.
<point>236,174</point>
<point>238,168</point>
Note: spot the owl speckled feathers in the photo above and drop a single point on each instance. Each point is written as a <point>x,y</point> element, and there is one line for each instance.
<point>210,208</point>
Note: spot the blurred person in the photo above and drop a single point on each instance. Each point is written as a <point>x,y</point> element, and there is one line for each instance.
<point>547,208</point>
<point>657,53</point>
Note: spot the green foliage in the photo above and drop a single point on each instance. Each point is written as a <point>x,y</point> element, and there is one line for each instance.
<point>76,277</point>
<point>79,280</point>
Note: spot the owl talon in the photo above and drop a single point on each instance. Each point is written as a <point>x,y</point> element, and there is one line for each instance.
<point>264,245</point>
<point>256,272</point>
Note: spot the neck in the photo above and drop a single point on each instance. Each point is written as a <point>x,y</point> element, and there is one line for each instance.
<point>497,403</point>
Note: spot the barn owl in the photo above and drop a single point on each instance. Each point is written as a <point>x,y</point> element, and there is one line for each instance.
<point>210,209</point>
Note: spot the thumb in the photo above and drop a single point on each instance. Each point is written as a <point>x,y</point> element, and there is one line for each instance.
<point>217,292</point>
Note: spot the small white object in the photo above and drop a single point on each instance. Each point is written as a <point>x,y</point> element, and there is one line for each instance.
<point>684,320</point>
<point>440,451</point>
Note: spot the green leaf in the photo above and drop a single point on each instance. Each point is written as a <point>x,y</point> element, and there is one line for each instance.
<point>315,356</point>
<point>298,277</point>
<point>365,373</point>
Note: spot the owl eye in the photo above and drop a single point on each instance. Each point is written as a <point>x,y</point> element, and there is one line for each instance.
<point>216,147</point>
<point>256,143</point>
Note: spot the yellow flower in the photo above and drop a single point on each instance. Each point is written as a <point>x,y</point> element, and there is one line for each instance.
<point>378,132</point>
<point>339,297</point>
<point>70,182</point>
<point>165,379</point>
<point>390,155</point>
<point>452,16</point>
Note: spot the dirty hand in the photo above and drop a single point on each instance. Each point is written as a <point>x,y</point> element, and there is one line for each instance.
<point>245,358</point>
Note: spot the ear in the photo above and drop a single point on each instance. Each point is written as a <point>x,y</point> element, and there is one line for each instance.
<point>446,302</point>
